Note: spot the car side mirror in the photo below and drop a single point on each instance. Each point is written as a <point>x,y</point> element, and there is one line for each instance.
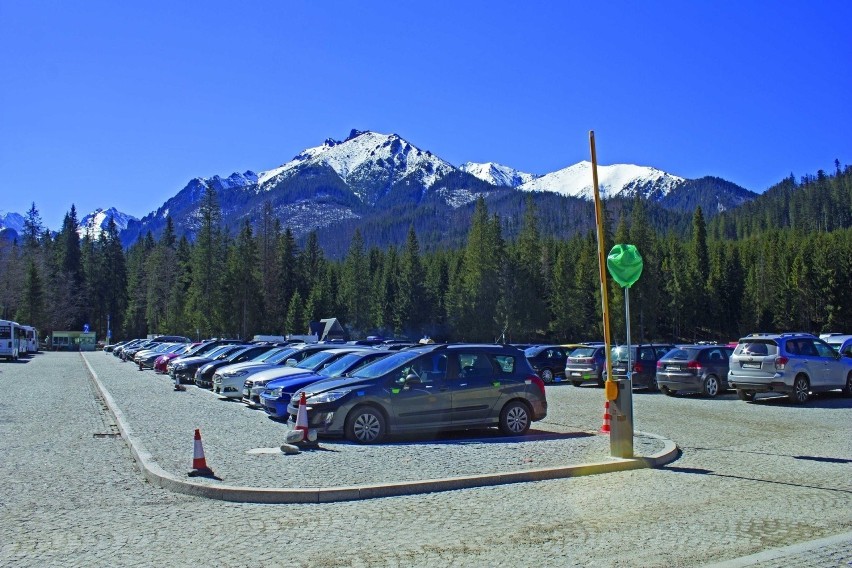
<point>412,379</point>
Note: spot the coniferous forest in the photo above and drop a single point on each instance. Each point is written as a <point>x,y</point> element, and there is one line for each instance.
<point>780,262</point>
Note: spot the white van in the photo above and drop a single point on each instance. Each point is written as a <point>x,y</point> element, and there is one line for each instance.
<point>10,340</point>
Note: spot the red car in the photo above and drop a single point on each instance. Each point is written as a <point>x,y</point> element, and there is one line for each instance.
<point>163,360</point>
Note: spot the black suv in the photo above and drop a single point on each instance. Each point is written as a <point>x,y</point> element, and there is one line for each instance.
<point>643,360</point>
<point>694,368</point>
<point>548,361</point>
<point>428,389</point>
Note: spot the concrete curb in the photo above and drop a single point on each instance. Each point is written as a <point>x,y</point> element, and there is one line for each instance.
<point>161,478</point>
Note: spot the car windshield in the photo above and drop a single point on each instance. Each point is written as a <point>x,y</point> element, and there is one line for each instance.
<point>386,364</point>
<point>348,363</point>
<point>584,352</point>
<point>315,360</point>
<point>218,351</point>
<point>266,355</point>
<point>620,353</point>
<point>280,356</point>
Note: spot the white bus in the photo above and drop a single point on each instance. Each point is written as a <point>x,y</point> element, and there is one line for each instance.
<point>30,338</point>
<point>9,340</point>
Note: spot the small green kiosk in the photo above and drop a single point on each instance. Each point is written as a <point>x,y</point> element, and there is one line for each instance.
<point>73,340</point>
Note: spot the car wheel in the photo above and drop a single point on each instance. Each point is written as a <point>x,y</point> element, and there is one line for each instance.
<point>601,381</point>
<point>576,383</point>
<point>365,425</point>
<point>847,390</point>
<point>711,386</point>
<point>745,395</point>
<point>547,375</point>
<point>801,390</point>
<point>515,419</point>
<point>667,391</point>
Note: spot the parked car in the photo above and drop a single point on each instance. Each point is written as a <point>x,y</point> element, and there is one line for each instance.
<point>126,345</point>
<point>428,389</point>
<point>643,360</point>
<point>200,350</point>
<point>276,397</point>
<point>586,363</point>
<point>228,380</point>
<point>145,359</point>
<point>548,361</point>
<point>204,375</point>
<point>256,383</point>
<point>795,364</point>
<point>183,370</point>
<point>694,368</point>
<point>162,362</point>
<point>840,343</point>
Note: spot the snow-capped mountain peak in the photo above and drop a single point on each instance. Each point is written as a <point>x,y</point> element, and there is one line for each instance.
<point>617,180</point>
<point>365,155</point>
<point>95,223</point>
<point>497,174</point>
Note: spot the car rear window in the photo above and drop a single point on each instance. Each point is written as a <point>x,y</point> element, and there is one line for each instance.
<point>583,352</point>
<point>679,354</point>
<point>758,348</point>
<point>506,363</point>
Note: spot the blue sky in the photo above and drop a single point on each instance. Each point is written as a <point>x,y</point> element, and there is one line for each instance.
<point>122,103</point>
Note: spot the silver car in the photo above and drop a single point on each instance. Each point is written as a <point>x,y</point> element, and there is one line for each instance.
<point>795,364</point>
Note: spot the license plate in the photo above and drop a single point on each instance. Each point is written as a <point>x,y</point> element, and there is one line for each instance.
<point>674,368</point>
<point>751,365</point>
<point>576,374</point>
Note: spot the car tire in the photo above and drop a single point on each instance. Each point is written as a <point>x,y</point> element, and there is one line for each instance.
<point>745,395</point>
<point>576,383</point>
<point>601,381</point>
<point>667,391</point>
<point>801,390</point>
<point>711,387</point>
<point>847,390</point>
<point>547,376</point>
<point>366,425</point>
<point>515,419</point>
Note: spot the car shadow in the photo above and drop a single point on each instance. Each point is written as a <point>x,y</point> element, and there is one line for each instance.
<point>482,436</point>
<point>827,400</point>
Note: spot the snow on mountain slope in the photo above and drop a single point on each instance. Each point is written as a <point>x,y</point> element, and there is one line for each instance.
<point>361,155</point>
<point>615,180</point>
<point>13,221</point>
<point>497,174</point>
<point>96,223</point>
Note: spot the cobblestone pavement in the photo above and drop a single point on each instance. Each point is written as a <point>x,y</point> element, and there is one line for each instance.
<point>753,477</point>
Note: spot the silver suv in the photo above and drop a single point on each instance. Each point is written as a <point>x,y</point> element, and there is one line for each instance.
<point>796,364</point>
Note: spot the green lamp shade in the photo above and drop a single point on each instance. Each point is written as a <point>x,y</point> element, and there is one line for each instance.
<point>625,265</point>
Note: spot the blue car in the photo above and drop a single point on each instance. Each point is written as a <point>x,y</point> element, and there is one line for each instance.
<point>277,395</point>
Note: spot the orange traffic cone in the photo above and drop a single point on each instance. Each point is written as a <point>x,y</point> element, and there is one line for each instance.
<point>605,427</point>
<point>302,416</point>
<point>199,463</point>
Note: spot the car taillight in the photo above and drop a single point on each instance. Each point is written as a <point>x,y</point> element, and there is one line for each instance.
<point>638,368</point>
<point>659,365</point>
<point>693,365</point>
<point>536,380</point>
<point>780,363</point>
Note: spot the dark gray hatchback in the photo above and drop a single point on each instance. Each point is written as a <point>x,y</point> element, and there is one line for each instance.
<point>428,389</point>
<point>694,368</point>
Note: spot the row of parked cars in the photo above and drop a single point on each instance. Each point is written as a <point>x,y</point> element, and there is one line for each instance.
<point>795,364</point>
<point>361,392</point>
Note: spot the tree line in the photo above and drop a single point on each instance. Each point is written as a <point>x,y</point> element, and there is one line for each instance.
<point>782,262</point>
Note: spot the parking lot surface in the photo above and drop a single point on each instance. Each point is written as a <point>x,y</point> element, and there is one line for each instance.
<point>753,477</point>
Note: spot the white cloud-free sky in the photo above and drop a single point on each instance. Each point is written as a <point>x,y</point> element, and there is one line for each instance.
<point>107,103</point>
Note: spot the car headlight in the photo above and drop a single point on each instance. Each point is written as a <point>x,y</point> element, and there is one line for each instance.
<point>326,397</point>
<point>274,393</point>
<point>235,373</point>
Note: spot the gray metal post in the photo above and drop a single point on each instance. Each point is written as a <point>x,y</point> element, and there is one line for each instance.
<point>621,409</point>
